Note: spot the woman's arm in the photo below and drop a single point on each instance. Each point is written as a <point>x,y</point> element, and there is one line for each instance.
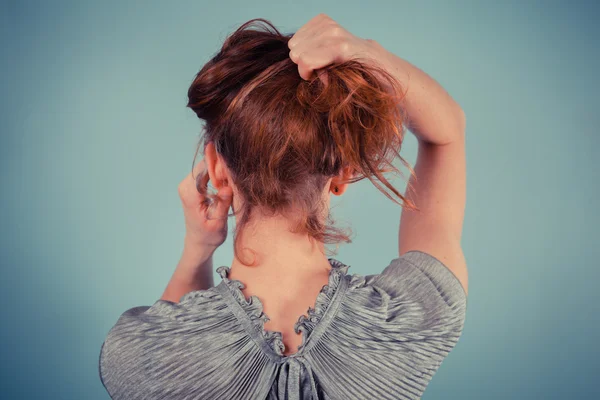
<point>205,232</point>
<point>433,115</point>
<point>439,190</point>
<point>194,272</point>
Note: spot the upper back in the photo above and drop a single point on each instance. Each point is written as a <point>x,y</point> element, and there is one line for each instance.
<point>377,336</point>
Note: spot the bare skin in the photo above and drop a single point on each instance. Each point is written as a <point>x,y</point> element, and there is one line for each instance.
<point>291,270</point>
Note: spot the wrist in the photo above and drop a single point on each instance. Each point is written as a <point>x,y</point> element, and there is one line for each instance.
<point>195,256</point>
<point>194,272</point>
<point>193,244</point>
<point>374,50</point>
<point>375,54</point>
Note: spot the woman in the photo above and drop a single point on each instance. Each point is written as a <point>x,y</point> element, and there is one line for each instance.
<point>291,120</point>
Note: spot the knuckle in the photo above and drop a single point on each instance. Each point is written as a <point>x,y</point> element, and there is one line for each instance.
<point>336,30</point>
<point>343,46</point>
<point>302,57</point>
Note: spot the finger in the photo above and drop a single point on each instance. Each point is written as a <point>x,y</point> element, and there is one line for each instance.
<point>200,175</point>
<point>298,37</point>
<point>199,167</point>
<point>312,60</point>
<point>316,31</point>
<point>221,208</point>
<point>308,46</point>
<point>202,181</point>
<point>302,37</point>
<point>305,72</point>
<point>323,77</point>
<point>311,29</point>
<point>189,186</point>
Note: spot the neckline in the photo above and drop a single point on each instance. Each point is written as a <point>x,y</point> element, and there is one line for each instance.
<point>249,311</point>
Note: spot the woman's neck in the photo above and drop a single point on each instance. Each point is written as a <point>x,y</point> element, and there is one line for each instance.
<point>281,256</point>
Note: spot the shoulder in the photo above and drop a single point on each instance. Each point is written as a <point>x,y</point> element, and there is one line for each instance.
<point>414,292</point>
<point>148,343</point>
<point>420,273</point>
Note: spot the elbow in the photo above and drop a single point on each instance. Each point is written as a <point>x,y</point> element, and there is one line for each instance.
<point>455,128</point>
<point>461,119</point>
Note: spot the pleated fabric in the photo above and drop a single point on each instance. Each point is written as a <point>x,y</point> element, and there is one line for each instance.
<point>380,336</point>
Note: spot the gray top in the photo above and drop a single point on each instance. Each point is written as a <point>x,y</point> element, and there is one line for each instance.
<point>379,336</point>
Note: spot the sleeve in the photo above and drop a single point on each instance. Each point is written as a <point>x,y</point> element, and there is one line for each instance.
<point>196,348</point>
<point>147,345</point>
<point>121,350</point>
<point>426,299</point>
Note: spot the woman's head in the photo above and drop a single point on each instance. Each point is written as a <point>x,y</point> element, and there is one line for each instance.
<point>283,143</point>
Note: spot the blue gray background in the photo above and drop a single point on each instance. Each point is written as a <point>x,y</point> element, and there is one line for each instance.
<point>95,138</point>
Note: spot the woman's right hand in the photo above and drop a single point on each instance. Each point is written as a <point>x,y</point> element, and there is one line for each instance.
<point>322,41</point>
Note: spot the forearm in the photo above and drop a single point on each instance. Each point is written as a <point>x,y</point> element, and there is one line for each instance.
<point>433,115</point>
<point>193,272</point>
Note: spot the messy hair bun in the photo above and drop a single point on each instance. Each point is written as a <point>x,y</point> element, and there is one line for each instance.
<point>283,137</point>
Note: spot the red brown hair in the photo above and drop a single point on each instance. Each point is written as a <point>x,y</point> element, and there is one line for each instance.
<point>283,137</point>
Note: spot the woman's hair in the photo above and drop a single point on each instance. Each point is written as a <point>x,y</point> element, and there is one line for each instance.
<point>283,137</point>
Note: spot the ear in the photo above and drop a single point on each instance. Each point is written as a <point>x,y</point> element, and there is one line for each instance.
<point>341,181</point>
<point>217,170</point>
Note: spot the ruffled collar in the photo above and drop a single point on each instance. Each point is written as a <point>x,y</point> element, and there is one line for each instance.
<point>306,323</point>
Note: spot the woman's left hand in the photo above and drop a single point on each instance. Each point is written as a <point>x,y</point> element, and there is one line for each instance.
<point>322,41</point>
<point>206,226</point>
